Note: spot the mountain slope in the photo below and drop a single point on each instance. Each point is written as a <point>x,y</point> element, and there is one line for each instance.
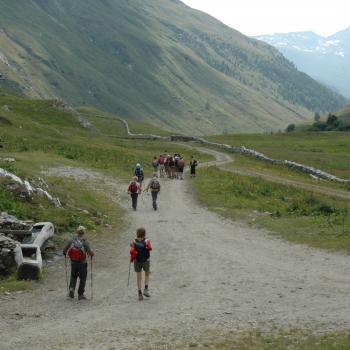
<point>158,61</point>
<point>344,114</point>
<point>324,58</point>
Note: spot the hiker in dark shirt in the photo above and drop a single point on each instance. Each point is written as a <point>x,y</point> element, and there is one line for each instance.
<point>78,248</point>
<point>140,249</point>
<point>154,186</point>
<point>193,166</point>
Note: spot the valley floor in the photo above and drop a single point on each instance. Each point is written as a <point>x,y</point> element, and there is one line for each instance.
<point>210,276</point>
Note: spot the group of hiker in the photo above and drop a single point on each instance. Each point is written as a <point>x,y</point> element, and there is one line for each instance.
<point>172,166</point>
<point>165,165</point>
<point>78,248</point>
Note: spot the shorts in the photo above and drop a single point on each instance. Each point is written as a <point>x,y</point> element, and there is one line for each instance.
<point>139,266</point>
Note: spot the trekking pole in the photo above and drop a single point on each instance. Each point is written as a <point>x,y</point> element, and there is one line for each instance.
<point>129,274</point>
<point>92,289</point>
<point>65,264</point>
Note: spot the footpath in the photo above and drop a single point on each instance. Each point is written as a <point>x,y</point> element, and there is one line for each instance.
<point>209,276</point>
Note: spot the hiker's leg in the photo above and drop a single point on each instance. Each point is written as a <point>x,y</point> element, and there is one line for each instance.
<point>154,199</point>
<point>138,280</point>
<point>82,278</point>
<point>134,200</point>
<point>73,276</point>
<point>147,273</point>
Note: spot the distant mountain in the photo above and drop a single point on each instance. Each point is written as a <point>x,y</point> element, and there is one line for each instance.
<point>326,59</point>
<point>154,60</point>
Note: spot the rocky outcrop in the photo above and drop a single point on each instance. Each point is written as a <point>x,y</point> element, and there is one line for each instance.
<point>7,254</point>
<point>24,189</point>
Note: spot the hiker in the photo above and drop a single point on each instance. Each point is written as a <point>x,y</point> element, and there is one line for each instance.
<point>161,162</point>
<point>176,160</point>
<point>140,256</point>
<point>134,190</point>
<point>166,165</point>
<point>193,166</point>
<point>154,185</point>
<point>138,172</point>
<point>155,164</point>
<point>78,248</point>
<point>181,166</point>
<point>171,164</point>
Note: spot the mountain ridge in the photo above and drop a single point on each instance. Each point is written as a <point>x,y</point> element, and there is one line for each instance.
<point>325,58</point>
<point>155,61</point>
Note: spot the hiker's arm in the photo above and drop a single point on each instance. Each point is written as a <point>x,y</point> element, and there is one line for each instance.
<point>88,249</point>
<point>66,247</point>
<point>148,245</point>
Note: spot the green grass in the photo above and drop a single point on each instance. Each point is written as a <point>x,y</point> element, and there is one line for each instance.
<point>11,284</point>
<point>327,151</point>
<point>252,165</point>
<point>294,214</point>
<point>255,340</point>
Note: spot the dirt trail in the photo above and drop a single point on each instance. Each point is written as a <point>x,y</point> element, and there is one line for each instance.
<point>208,274</point>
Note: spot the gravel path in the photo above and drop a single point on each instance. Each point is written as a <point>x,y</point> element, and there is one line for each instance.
<point>208,274</point>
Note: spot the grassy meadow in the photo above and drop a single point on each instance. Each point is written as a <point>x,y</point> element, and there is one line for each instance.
<point>276,340</point>
<point>328,151</point>
<point>296,215</point>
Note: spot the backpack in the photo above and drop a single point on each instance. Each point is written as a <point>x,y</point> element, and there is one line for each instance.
<point>138,172</point>
<point>142,252</point>
<point>133,188</point>
<point>76,251</point>
<point>181,163</point>
<point>155,163</point>
<point>155,185</point>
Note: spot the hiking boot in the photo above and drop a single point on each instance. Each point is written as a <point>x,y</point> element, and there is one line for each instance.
<point>146,293</point>
<point>140,297</point>
<point>71,294</point>
<point>81,297</point>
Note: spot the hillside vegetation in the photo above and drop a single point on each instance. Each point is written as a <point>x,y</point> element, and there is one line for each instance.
<point>41,136</point>
<point>344,114</point>
<point>157,61</point>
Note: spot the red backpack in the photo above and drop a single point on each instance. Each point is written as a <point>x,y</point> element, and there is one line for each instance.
<point>76,251</point>
<point>133,188</point>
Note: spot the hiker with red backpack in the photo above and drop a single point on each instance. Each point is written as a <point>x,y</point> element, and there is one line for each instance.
<point>140,249</point>
<point>78,249</point>
<point>154,186</point>
<point>134,190</point>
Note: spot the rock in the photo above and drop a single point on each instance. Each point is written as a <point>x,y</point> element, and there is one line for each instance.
<point>6,108</point>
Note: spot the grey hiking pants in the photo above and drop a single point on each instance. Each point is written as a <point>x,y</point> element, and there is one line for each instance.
<point>78,269</point>
<point>154,199</point>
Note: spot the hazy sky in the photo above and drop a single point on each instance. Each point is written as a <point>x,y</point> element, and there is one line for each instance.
<point>255,17</point>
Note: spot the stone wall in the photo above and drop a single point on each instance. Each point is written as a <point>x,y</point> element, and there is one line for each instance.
<point>245,151</point>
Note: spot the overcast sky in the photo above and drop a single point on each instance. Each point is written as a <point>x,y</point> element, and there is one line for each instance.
<point>256,17</point>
